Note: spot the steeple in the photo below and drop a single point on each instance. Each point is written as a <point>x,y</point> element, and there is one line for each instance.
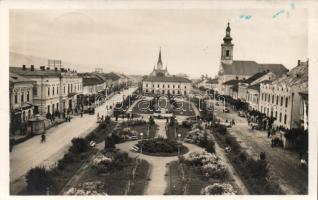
<point>227,39</point>
<point>159,63</point>
<point>227,46</point>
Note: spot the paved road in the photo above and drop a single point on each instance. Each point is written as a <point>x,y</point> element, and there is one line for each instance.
<point>32,153</point>
<point>284,164</point>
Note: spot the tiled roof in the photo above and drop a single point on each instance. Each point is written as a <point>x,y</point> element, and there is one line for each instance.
<point>15,78</point>
<point>88,81</point>
<point>297,76</point>
<point>36,72</point>
<point>248,68</point>
<point>255,77</point>
<point>167,79</point>
<point>232,82</point>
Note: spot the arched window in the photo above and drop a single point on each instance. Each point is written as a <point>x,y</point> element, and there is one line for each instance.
<point>286,102</point>
<point>22,97</point>
<point>285,119</point>
<point>28,96</point>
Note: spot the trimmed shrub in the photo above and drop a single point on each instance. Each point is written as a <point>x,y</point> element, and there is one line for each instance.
<point>109,143</point>
<point>38,180</point>
<point>79,145</point>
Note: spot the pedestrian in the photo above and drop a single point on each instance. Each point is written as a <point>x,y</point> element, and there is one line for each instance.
<point>268,133</point>
<point>81,113</point>
<point>42,138</point>
<point>98,115</point>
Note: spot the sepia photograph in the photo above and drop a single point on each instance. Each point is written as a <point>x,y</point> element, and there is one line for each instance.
<point>159,101</point>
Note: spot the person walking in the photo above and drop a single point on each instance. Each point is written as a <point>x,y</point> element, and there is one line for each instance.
<point>43,139</point>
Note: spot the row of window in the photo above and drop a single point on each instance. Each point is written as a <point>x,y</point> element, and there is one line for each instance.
<point>70,89</point>
<point>22,99</point>
<point>270,113</point>
<point>168,92</point>
<point>271,99</point>
<point>54,108</point>
<point>163,86</point>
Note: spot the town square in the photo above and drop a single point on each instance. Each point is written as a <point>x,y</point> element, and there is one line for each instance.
<point>158,102</point>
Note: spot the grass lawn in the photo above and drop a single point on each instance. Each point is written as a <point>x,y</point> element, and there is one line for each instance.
<point>186,180</point>
<point>116,182</point>
<point>142,129</point>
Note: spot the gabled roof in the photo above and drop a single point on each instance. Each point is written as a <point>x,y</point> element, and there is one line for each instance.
<point>255,77</point>
<point>15,78</point>
<point>88,81</point>
<point>232,82</point>
<point>167,79</point>
<point>248,68</point>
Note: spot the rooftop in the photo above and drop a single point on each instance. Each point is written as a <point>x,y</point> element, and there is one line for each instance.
<point>232,82</point>
<point>15,78</point>
<point>167,79</point>
<point>249,68</point>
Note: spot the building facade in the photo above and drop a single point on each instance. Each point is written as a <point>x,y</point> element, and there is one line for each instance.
<point>21,102</point>
<point>282,98</point>
<point>161,82</point>
<point>54,89</point>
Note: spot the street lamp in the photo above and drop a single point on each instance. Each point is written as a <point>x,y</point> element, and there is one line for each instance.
<point>141,134</point>
<point>179,140</point>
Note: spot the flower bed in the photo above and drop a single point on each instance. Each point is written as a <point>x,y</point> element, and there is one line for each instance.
<point>161,147</point>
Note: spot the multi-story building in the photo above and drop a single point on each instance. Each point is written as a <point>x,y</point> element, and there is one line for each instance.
<point>255,79</point>
<point>161,82</point>
<point>282,98</point>
<point>240,69</point>
<point>21,102</point>
<point>304,109</point>
<point>54,89</point>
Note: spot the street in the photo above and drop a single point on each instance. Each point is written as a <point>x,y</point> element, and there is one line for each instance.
<point>32,152</point>
<point>283,164</point>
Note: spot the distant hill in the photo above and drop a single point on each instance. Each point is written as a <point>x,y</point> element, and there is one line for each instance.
<point>17,60</point>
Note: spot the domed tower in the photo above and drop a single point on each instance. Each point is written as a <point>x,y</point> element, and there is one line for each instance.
<point>227,47</point>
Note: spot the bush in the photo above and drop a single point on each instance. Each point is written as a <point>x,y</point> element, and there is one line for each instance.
<point>79,145</point>
<point>218,189</point>
<point>38,180</point>
<point>158,145</point>
<point>210,146</point>
<point>243,157</point>
<point>151,120</point>
<point>109,143</point>
<point>257,168</point>
<point>221,129</point>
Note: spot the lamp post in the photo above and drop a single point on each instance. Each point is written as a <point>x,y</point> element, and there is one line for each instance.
<point>179,140</point>
<point>141,134</point>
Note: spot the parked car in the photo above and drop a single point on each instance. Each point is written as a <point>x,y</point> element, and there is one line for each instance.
<point>241,114</point>
<point>226,110</point>
<point>188,140</point>
<point>134,148</point>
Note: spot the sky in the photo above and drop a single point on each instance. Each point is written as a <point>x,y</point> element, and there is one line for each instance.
<point>128,40</point>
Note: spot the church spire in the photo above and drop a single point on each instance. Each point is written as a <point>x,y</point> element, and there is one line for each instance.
<point>227,39</point>
<point>159,63</point>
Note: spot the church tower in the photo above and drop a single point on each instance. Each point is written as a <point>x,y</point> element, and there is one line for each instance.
<point>227,47</point>
<point>159,63</point>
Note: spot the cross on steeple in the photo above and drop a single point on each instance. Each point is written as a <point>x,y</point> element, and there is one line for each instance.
<point>159,63</point>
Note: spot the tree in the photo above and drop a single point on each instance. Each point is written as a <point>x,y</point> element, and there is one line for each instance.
<point>38,180</point>
<point>109,143</point>
<point>151,121</point>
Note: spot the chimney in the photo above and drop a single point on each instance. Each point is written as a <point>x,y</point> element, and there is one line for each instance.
<point>32,67</point>
<point>68,69</point>
<point>48,68</point>
<point>42,68</point>
<point>55,68</point>
<point>23,67</point>
<point>62,69</point>
<point>298,62</point>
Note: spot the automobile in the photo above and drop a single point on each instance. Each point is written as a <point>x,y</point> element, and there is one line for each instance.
<point>217,104</point>
<point>134,148</point>
<point>226,124</point>
<point>188,140</point>
<point>134,137</point>
<point>226,110</point>
<point>241,114</point>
